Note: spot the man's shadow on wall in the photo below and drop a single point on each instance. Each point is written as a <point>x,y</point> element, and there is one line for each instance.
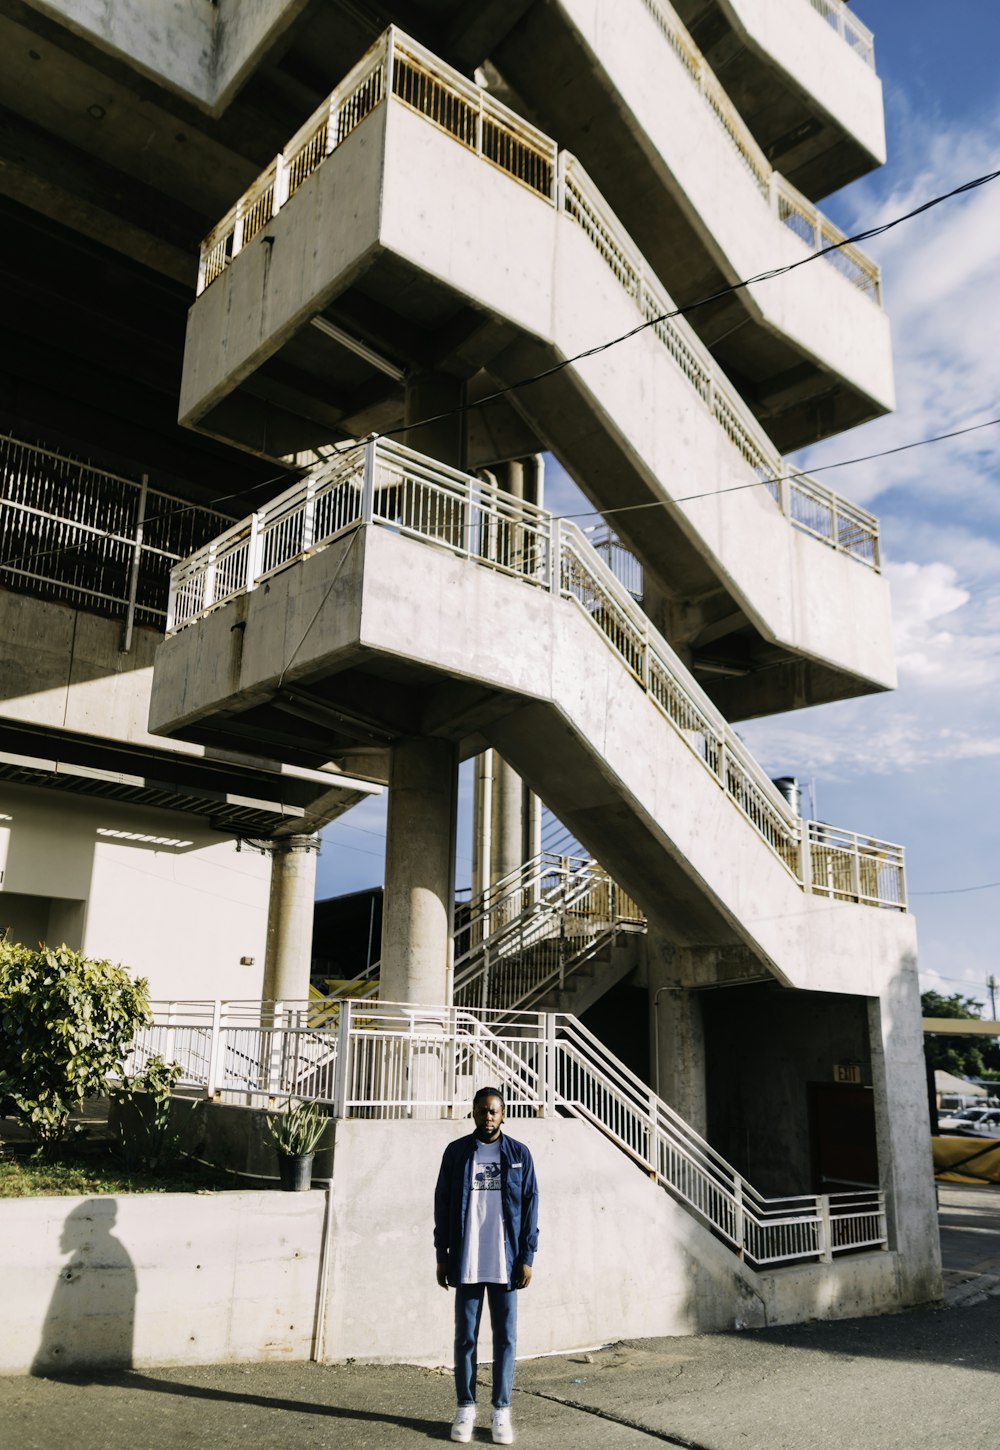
<point>90,1323</point>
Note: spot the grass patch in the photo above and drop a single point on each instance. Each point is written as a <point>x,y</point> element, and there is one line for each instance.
<point>91,1169</point>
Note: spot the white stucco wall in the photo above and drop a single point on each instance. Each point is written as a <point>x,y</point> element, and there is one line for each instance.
<point>182,916</point>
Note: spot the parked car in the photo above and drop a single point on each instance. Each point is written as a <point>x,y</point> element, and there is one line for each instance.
<point>979,1122</point>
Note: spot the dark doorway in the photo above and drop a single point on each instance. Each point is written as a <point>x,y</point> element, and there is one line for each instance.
<point>842,1137</point>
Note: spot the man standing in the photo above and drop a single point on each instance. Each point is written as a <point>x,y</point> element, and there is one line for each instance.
<point>485,1236</point>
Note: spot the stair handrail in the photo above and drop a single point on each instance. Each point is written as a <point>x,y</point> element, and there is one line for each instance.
<point>393,486</point>
<point>719,1193</point>
<point>548,1062</point>
<point>561,180</point>
<point>558,898</point>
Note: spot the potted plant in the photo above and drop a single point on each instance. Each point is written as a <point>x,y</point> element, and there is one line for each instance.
<point>296,1131</point>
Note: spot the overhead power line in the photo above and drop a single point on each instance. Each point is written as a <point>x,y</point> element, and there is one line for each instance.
<point>690,307</point>
<point>786,477</point>
<point>728,290</point>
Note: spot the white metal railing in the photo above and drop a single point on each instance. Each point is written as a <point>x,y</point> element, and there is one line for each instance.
<point>400,67</point>
<point>397,66</point>
<point>387,485</point>
<point>528,933</point>
<point>532,930</point>
<point>80,535</point>
<point>562,180</point>
<point>619,559</point>
<point>787,203</point>
<point>397,1060</point>
<point>847,25</point>
<point>809,505</point>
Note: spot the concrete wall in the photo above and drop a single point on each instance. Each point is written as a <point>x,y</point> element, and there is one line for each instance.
<point>200,50</point>
<point>173,41</point>
<point>763,1048</point>
<point>617,1257</point>
<point>816,308</point>
<point>796,38</point>
<point>157,1279</point>
<point>154,1279</point>
<point>64,669</point>
<point>182,916</point>
<point>586,738</point>
<point>505,250</point>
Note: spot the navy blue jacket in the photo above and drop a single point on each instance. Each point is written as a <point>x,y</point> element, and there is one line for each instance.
<point>518,1201</point>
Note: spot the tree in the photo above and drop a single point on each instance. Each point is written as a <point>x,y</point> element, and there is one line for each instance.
<point>962,1056</point>
<point>67,1022</point>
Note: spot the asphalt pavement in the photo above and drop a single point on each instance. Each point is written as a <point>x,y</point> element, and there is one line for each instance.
<point>923,1380</point>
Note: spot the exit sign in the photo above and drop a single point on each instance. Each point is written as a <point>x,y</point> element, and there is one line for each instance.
<point>847,1072</point>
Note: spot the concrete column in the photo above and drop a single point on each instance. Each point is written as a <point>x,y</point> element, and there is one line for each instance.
<point>482,821</point>
<point>515,811</point>
<point>427,396</point>
<point>902,1129</point>
<point>507,829</point>
<point>290,919</point>
<point>419,872</point>
<point>677,1035</point>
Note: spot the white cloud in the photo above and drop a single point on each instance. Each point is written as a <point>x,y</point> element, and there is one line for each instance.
<point>942,292</point>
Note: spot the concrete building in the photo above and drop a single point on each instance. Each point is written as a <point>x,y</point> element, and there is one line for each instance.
<point>421,236</point>
<point>126,846</point>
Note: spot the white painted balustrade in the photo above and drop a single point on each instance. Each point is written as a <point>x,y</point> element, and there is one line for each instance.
<point>527,933</point>
<point>851,30</point>
<point>400,67</point>
<point>535,927</point>
<point>386,485</point>
<point>397,1060</point>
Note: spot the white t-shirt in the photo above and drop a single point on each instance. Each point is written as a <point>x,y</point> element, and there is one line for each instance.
<point>484,1257</point>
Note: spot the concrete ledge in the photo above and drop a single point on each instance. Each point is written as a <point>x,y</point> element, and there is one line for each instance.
<point>154,1279</point>
<point>148,1279</point>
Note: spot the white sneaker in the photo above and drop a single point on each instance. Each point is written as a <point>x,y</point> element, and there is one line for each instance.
<point>463,1424</point>
<point>503,1430</point>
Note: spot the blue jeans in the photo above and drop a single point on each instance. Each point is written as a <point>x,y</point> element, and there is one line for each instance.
<point>503,1321</point>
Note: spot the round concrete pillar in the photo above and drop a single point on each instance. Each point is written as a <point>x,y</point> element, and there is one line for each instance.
<point>290,919</point>
<point>507,829</point>
<point>419,872</point>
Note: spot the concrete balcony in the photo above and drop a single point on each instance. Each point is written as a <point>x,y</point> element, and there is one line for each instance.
<point>626,89</point>
<point>406,248</point>
<point>802,73</point>
<point>458,612</point>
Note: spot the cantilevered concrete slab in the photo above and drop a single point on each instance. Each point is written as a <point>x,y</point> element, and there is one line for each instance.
<point>620,87</point>
<point>804,78</point>
<point>380,636</point>
<point>439,252</point>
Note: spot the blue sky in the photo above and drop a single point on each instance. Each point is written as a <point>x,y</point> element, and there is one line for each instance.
<point>920,766</point>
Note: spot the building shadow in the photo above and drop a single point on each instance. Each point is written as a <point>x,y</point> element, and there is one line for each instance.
<point>436,1429</point>
<point>90,1322</point>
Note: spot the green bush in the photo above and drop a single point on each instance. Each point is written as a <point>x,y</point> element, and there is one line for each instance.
<point>144,1099</point>
<point>66,1025</point>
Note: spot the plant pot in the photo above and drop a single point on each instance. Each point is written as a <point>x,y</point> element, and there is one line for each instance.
<point>295,1171</point>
